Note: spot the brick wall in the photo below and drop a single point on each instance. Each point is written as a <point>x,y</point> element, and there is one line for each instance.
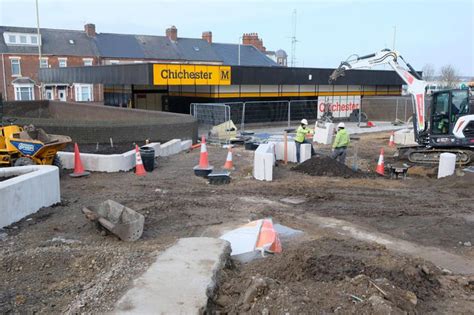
<point>29,68</point>
<point>86,123</point>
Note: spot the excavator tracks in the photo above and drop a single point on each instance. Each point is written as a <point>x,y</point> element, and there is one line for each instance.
<point>431,156</point>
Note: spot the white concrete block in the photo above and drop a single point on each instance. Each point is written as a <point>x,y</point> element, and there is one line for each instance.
<point>109,163</point>
<point>34,187</point>
<point>280,150</point>
<point>264,160</point>
<point>186,145</point>
<point>323,135</point>
<point>180,281</point>
<point>404,137</point>
<point>305,152</point>
<point>447,164</point>
<point>171,147</point>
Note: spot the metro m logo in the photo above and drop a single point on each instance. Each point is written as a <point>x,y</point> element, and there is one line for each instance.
<point>225,75</point>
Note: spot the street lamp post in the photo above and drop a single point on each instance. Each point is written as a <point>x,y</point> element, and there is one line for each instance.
<point>240,38</point>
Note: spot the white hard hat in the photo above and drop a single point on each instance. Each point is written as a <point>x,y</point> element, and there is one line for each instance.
<point>304,121</point>
<point>341,125</point>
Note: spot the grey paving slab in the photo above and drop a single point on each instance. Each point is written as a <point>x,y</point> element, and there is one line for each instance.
<point>180,280</point>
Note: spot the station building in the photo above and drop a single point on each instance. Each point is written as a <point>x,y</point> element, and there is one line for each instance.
<point>173,87</point>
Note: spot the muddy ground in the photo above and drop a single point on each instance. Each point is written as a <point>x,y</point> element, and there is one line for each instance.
<point>55,261</point>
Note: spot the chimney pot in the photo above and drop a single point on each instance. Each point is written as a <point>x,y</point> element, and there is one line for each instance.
<point>207,36</point>
<point>90,30</point>
<point>172,33</point>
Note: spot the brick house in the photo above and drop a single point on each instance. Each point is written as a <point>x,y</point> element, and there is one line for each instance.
<point>71,48</point>
<point>60,48</point>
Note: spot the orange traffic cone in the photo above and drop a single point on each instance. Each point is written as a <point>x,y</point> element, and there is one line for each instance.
<point>229,165</point>
<point>391,142</point>
<point>203,158</point>
<point>380,164</point>
<point>139,169</point>
<point>203,169</point>
<point>78,168</point>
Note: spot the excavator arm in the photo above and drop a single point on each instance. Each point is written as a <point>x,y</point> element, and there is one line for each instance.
<point>416,86</point>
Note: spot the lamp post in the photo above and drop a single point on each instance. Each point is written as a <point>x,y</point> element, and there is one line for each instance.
<point>39,49</point>
<point>240,38</point>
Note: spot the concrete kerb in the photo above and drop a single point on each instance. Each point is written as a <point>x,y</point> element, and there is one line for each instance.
<point>111,163</point>
<point>180,281</point>
<point>20,195</point>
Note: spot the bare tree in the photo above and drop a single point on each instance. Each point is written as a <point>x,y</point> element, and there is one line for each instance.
<point>428,72</point>
<point>449,75</point>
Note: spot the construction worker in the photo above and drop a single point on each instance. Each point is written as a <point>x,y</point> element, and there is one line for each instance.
<point>339,147</point>
<point>300,138</point>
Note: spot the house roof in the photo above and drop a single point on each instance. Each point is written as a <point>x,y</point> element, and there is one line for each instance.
<point>108,45</point>
<point>249,55</point>
<point>54,42</point>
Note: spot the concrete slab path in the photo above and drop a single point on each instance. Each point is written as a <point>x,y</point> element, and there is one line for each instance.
<point>180,281</point>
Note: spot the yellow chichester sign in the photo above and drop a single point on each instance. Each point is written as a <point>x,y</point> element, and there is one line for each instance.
<point>175,74</point>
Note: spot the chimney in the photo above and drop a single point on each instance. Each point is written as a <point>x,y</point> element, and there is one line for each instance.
<point>90,29</point>
<point>172,33</point>
<point>207,36</point>
<point>252,39</point>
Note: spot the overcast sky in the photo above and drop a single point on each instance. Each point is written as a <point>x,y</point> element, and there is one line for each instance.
<point>436,32</point>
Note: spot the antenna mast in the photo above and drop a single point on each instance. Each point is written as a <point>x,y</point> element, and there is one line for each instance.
<point>293,39</point>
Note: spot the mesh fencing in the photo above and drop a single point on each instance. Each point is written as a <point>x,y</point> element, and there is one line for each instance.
<point>210,115</point>
<point>387,108</point>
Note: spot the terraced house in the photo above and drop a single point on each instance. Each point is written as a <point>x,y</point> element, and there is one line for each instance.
<point>20,59</point>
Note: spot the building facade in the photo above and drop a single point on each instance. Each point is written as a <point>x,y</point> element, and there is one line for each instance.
<point>20,48</point>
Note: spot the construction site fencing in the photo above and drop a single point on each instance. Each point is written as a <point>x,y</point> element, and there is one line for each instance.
<point>387,108</point>
<point>210,115</point>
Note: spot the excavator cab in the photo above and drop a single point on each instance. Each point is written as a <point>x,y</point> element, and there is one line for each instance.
<point>447,107</point>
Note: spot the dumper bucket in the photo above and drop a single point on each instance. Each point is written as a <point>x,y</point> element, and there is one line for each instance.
<point>122,221</point>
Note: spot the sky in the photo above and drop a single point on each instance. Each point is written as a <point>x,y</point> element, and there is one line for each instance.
<point>427,32</point>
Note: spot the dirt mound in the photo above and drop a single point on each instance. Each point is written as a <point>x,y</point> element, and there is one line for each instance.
<point>325,166</point>
<point>329,275</point>
<point>455,181</point>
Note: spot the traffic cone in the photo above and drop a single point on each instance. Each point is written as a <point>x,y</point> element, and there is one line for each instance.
<point>380,164</point>
<point>139,169</point>
<point>391,142</point>
<point>203,158</point>
<point>78,168</point>
<point>229,165</point>
<point>203,169</point>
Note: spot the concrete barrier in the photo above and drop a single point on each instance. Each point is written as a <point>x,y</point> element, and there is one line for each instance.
<point>111,163</point>
<point>280,150</point>
<point>108,163</point>
<point>305,152</point>
<point>263,162</point>
<point>323,135</point>
<point>34,187</point>
<point>404,137</point>
<point>180,281</point>
<point>186,145</point>
<point>171,147</point>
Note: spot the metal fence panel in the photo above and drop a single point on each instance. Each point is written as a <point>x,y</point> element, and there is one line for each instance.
<point>209,115</point>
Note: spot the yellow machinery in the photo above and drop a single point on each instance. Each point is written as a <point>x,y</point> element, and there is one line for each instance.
<point>29,146</point>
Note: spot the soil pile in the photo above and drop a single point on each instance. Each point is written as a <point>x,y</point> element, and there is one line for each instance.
<point>455,181</point>
<point>325,166</point>
<point>327,276</point>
